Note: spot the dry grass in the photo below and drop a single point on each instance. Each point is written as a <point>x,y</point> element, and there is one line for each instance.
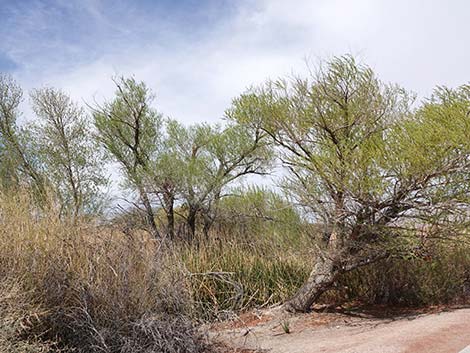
<point>235,272</point>
<point>83,288</point>
<point>76,286</point>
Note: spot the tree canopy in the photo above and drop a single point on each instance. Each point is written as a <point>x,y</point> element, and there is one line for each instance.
<point>362,161</point>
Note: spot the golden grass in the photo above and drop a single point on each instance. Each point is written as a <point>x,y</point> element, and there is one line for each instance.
<point>231,275</point>
<point>80,286</point>
<point>86,287</point>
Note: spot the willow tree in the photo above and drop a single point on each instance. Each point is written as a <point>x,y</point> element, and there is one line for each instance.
<point>19,163</point>
<point>130,130</point>
<point>362,163</point>
<point>67,153</point>
<point>210,159</point>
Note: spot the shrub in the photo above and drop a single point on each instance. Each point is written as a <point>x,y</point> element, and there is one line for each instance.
<point>440,278</point>
<point>87,289</point>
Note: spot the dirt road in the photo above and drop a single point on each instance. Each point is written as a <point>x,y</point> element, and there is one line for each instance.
<point>444,332</point>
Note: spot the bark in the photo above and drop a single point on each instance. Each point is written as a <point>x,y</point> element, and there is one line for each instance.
<point>149,215</point>
<point>327,268</point>
<point>170,216</point>
<point>325,272</point>
<point>191,221</point>
<point>208,221</point>
<point>322,277</point>
<point>210,214</point>
<point>209,218</point>
<point>169,202</point>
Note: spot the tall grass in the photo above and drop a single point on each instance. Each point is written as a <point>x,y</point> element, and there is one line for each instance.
<point>243,268</point>
<point>443,277</point>
<point>84,288</point>
<point>231,275</point>
<point>78,287</point>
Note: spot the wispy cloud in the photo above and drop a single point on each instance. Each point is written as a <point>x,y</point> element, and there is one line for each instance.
<point>197,55</point>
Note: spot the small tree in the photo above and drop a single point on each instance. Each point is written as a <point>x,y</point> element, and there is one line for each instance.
<point>18,160</point>
<point>69,156</point>
<point>131,131</point>
<point>210,158</point>
<point>361,163</point>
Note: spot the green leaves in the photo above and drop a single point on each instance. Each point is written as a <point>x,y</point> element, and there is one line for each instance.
<point>128,127</point>
<point>67,153</point>
<point>358,154</point>
<point>169,163</point>
<point>211,156</point>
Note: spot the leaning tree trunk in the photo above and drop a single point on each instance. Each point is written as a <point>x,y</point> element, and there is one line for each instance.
<point>325,273</point>
<point>322,277</point>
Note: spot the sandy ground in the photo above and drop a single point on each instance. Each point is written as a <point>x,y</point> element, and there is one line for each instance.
<point>447,331</point>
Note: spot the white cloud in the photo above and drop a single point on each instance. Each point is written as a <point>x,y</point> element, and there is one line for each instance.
<point>418,44</point>
<point>195,74</point>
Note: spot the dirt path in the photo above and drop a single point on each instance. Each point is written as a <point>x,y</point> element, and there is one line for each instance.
<point>338,333</point>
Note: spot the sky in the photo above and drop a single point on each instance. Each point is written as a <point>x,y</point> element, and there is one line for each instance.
<point>197,55</point>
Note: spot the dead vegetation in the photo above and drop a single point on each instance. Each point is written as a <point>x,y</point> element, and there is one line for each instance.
<point>75,287</point>
<point>70,286</point>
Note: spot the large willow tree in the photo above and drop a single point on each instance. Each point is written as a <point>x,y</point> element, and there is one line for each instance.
<point>363,163</point>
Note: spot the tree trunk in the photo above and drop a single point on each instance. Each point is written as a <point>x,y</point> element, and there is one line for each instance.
<point>321,279</point>
<point>208,222</point>
<point>149,213</point>
<point>210,214</point>
<point>206,227</point>
<point>325,273</point>
<point>169,202</point>
<point>170,216</point>
<point>191,221</point>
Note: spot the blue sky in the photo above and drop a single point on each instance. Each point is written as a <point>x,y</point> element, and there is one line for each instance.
<point>197,55</point>
<point>40,33</point>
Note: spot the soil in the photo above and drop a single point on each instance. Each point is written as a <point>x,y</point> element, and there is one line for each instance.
<point>347,331</point>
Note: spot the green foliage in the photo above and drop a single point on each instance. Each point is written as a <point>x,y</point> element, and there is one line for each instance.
<point>361,161</point>
<point>168,161</point>
<point>67,152</point>
<point>129,128</point>
<point>55,154</point>
<point>331,129</point>
<point>211,158</point>
<point>261,211</point>
<point>19,163</point>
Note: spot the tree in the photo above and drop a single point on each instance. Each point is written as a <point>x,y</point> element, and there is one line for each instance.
<point>362,163</point>
<point>210,159</point>
<point>163,181</point>
<point>131,132</point>
<point>68,154</point>
<point>18,160</point>
<point>9,167</point>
